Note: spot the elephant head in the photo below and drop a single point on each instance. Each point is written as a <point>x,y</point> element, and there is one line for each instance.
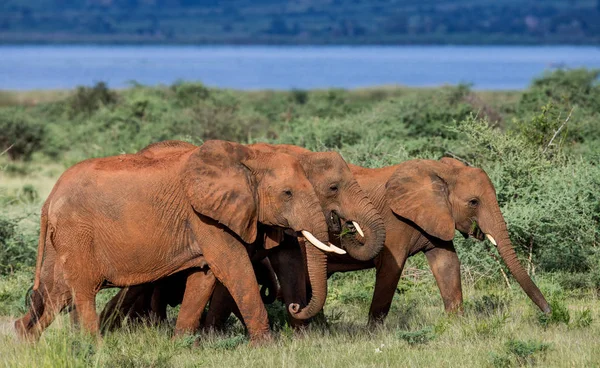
<point>240,187</point>
<point>441,196</point>
<point>342,202</point>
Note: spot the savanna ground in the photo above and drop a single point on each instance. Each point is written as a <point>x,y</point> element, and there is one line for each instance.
<point>539,146</point>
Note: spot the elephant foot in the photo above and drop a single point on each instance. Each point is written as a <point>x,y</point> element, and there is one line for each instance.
<point>263,339</point>
<point>375,323</point>
<point>23,333</point>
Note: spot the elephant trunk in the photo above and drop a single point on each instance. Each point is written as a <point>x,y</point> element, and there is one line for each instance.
<point>316,262</point>
<point>364,214</point>
<point>499,233</point>
<point>316,265</point>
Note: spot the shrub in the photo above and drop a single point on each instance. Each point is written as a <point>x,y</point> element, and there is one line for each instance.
<point>17,250</point>
<point>418,337</point>
<point>584,319</point>
<point>526,351</point>
<point>560,313</point>
<point>21,134</point>
<point>188,94</point>
<point>86,100</point>
<point>487,304</point>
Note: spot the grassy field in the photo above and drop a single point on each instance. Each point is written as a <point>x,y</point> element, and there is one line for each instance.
<point>539,146</point>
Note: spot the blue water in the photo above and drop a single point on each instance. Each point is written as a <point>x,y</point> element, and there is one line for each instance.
<point>265,67</point>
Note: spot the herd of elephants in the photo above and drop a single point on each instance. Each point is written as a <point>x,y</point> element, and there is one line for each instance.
<point>178,223</point>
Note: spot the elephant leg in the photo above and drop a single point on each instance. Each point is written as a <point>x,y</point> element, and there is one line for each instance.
<point>240,281</point>
<point>221,307</point>
<point>445,265</point>
<point>158,304</point>
<point>85,303</point>
<point>74,317</point>
<point>45,306</point>
<point>389,269</point>
<point>289,266</point>
<point>198,289</point>
<point>51,297</point>
<point>122,305</point>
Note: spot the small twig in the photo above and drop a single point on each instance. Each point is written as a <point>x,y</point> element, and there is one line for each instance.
<point>559,129</point>
<point>6,150</point>
<point>501,270</point>
<point>458,158</point>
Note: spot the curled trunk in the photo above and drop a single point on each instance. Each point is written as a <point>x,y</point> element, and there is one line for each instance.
<point>369,219</point>
<point>316,262</point>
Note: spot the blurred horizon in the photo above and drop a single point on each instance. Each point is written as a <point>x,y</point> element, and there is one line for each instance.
<point>305,22</point>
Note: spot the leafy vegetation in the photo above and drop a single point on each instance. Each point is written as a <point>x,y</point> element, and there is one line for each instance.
<point>304,22</point>
<point>539,147</point>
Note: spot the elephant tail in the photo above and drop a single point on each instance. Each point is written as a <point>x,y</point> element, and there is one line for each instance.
<point>41,248</point>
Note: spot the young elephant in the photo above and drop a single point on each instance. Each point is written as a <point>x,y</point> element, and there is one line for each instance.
<point>132,219</point>
<point>341,199</point>
<point>148,302</point>
<point>422,203</point>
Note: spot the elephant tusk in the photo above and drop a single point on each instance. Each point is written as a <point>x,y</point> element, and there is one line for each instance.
<point>358,228</point>
<point>491,239</point>
<point>336,250</point>
<point>314,241</point>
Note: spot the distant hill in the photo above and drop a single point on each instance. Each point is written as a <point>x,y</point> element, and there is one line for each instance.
<point>301,21</point>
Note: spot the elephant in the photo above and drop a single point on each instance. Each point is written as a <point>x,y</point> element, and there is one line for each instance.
<point>422,203</point>
<point>341,200</point>
<point>136,218</point>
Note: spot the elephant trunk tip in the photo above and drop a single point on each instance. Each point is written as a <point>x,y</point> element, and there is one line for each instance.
<point>545,307</point>
<point>294,308</point>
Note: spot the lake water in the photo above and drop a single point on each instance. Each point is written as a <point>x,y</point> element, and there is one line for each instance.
<point>266,67</point>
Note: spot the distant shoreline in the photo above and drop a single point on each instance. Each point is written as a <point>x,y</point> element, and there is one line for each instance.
<point>350,43</point>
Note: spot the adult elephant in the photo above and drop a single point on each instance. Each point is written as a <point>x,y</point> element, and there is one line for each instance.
<point>342,201</point>
<point>422,203</point>
<point>133,219</point>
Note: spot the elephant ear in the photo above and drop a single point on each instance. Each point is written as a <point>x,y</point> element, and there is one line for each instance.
<point>218,185</point>
<point>417,193</point>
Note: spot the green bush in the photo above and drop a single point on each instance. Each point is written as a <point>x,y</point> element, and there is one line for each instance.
<point>86,100</point>
<point>560,313</point>
<point>519,352</point>
<point>188,94</point>
<point>17,248</point>
<point>21,134</point>
<point>526,352</point>
<point>418,337</point>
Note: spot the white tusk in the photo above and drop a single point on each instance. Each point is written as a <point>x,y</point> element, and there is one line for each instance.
<point>491,239</point>
<point>314,241</point>
<point>358,228</point>
<point>335,249</point>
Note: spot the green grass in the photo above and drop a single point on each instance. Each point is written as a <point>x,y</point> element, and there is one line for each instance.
<point>427,338</point>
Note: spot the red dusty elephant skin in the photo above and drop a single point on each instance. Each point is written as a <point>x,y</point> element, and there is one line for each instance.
<point>132,219</point>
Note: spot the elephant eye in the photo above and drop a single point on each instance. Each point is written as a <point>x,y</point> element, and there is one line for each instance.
<point>333,188</point>
<point>474,202</point>
<point>288,193</point>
